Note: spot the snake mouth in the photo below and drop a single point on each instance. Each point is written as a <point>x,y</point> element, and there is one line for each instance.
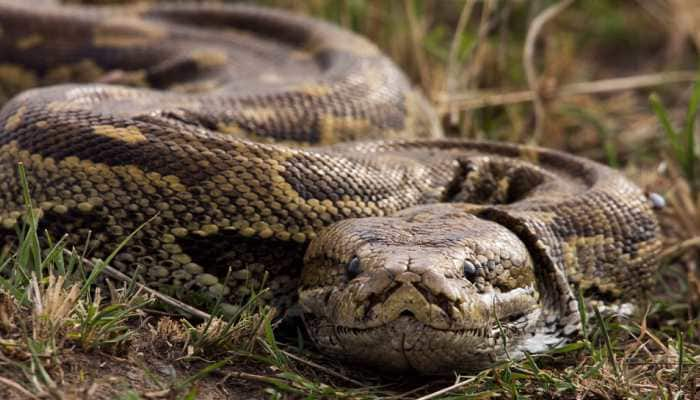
<point>512,323</point>
<point>409,345</point>
<point>409,333</point>
<point>342,331</point>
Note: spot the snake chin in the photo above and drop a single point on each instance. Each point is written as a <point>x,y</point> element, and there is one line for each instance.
<point>409,345</point>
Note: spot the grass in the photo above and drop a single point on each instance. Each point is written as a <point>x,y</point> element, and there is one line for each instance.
<point>681,142</point>
<point>65,334</point>
<point>67,313</point>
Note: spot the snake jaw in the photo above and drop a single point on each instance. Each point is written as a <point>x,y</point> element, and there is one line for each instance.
<point>428,341</point>
<point>406,344</point>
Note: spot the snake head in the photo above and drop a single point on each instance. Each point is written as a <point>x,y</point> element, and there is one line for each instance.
<point>430,289</point>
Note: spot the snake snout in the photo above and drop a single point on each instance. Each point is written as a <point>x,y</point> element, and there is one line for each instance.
<point>423,294</point>
<point>412,300</point>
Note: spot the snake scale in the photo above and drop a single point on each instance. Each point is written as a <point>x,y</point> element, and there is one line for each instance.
<point>297,156</point>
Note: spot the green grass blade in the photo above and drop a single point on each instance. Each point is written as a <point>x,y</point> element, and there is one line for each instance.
<point>32,234</point>
<point>671,134</point>
<point>608,343</point>
<point>202,373</point>
<point>681,354</point>
<point>689,135</point>
<point>100,266</point>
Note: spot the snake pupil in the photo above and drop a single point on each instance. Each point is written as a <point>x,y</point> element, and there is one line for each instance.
<point>353,268</point>
<point>469,270</point>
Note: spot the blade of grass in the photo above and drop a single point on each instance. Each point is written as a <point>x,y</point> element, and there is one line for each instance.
<point>32,234</point>
<point>689,133</point>
<point>680,357</point>
<point>202,373</point>
<point>102,264</point>
<point>665,122</point>
<point>608,344</point>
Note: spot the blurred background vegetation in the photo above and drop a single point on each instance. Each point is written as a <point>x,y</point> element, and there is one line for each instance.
<point>474,69</point>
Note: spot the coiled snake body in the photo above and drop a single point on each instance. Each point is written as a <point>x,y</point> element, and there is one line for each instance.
<point>405,250</point>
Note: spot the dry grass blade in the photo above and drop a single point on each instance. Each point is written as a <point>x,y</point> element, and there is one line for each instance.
<point>18,388</point>
<point>680,248</point>
<point>448,389</point>
<point>685,16</point>
<point>481,44</point>
<point>474,100</point>
<point>451,81</point>
<point>659,10</point>
<point>251,377</point>
<point>116,274</point>
<point>322,368</point>
<point>627,83</point>
<point>217,334</point>
<point>529,62</point>
<point>478,54</point>
<point>52,305</point>
<point>417,32</point>
<point>8,312</point>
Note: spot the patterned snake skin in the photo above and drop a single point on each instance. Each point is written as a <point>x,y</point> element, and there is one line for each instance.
<point>216,124</point>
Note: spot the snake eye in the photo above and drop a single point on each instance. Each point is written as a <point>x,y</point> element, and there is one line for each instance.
<point>353,268</point>
<point>469,270</point>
